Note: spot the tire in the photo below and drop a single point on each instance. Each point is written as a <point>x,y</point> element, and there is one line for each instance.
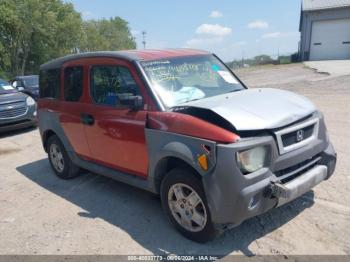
<point>199,230</point>
<point>62,164</point>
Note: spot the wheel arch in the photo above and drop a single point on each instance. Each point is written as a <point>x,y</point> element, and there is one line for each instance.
<point>46,135</point>
<point>168,163</point>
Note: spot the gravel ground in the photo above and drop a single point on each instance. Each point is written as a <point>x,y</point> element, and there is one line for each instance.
<point>40,214</point>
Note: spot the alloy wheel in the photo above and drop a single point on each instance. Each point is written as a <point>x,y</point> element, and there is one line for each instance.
<point>56,157</point>
<point>187,207</point>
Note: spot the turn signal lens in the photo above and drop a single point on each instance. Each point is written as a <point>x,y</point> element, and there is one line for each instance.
<point>203,162</point>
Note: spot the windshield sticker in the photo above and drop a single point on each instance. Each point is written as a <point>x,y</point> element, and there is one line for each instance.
<point>228,77</point>
<point>215,68</point>
<point>7,87</point>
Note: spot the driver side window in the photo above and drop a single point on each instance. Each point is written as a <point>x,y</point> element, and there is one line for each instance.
<point>111,85</point>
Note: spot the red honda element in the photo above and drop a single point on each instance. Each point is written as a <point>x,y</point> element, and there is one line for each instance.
<point>180,124</point>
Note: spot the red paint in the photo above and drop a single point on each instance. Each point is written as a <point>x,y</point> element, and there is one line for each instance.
<point>190,126</point>
<point>117,137</point>
<point>162,54</point>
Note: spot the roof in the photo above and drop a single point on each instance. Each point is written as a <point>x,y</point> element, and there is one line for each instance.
<point>129,55</point>
<point>313,5</point>
<point>25,77</point>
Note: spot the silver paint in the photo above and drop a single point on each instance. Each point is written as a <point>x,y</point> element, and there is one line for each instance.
<point>301,143</point>
<point>258,109</point>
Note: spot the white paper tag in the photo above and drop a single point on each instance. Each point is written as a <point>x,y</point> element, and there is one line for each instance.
<point>7,87</point>
<point>228,77</point>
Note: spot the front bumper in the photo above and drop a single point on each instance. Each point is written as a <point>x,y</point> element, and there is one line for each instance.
<point>27,120</point>
<point>233,197</point>
<point>297,187</point>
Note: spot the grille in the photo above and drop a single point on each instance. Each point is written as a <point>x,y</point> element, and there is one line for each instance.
<point>297,170</point>
<point>293,137</point>
<point>297,136</point>
<point>13,112</point>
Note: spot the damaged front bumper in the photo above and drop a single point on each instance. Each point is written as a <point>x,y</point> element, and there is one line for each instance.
<point>299,186</point>
<point>233,197</point>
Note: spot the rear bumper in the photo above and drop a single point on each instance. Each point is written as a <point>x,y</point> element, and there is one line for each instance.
<point>233,197</point>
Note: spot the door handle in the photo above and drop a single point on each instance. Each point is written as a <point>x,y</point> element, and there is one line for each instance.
<point>87,119</point>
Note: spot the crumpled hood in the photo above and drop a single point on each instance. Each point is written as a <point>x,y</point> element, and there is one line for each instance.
<point>258,109</point>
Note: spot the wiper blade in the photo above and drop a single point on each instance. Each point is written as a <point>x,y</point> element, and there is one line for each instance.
<point>236,90</point>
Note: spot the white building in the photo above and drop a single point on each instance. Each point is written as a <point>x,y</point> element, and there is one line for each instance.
<point>325,30</point>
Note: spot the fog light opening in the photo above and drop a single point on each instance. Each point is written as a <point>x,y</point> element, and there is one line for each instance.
<point>253,203</point>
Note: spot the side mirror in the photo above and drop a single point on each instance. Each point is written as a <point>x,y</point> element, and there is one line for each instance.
<point>16,85</point>
<point>134,102</point>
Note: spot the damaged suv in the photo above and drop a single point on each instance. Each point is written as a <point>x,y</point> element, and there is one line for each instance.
<point>180,124</point>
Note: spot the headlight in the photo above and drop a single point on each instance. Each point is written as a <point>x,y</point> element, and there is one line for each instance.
<point>252,160</point>
<point>30,101</point>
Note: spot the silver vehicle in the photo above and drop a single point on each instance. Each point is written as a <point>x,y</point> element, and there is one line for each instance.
<point>17,110</point>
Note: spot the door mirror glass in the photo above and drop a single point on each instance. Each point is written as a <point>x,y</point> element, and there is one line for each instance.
<point>134,102</point>
<point>18,85</point>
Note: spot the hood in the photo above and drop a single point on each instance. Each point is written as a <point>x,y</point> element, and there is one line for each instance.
<point>12,98</point>
<point>257,109</point>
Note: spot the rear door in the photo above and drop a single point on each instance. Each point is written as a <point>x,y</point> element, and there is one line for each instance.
<point>72,106</point>
<point>116,134</point>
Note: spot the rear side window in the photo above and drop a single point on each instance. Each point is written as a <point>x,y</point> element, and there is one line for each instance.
<point>50,83</point>
<point>111,85</point>
<point>73,83</point>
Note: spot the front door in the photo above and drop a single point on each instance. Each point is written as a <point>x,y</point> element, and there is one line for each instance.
<point>115,133</point>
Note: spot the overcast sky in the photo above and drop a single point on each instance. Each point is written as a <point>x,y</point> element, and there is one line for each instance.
<point>229,28</point>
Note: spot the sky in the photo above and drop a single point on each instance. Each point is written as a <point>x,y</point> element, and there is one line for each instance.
<point>232,29</point>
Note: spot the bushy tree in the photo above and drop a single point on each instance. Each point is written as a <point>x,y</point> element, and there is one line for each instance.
<point>107,34</point>
<point>33,32</point>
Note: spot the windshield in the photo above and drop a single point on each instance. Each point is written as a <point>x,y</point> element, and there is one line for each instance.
<point>32,81</point>
<point>183,79</point>
<point>5,87</point>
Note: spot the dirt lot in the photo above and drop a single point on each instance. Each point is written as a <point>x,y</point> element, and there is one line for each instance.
<point>40,214</point>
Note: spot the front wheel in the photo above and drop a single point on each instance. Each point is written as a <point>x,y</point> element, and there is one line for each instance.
<point>185,204</point>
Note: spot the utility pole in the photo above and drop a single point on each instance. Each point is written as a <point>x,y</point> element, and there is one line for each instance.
<point>144,39</point>
<point>243,57</point>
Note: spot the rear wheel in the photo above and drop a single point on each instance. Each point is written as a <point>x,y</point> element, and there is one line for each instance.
<point>59,159</point>
<point>185,204</point>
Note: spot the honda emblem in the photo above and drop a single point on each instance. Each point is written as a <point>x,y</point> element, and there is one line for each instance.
<point>300,135</point>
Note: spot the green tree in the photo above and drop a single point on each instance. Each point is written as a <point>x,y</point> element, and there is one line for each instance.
<point>34,31</point>
<point>107,34</point>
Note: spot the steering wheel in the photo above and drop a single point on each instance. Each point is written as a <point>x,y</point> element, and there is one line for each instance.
<point>170,84</point>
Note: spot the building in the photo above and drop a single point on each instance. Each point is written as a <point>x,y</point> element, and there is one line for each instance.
<point>325,30</point>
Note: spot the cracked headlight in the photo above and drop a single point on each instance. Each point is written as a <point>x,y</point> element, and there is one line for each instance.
<point>30,101</point>
<point>252,160</point>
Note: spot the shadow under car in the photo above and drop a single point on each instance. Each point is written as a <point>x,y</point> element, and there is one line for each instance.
<point>139,213</point>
